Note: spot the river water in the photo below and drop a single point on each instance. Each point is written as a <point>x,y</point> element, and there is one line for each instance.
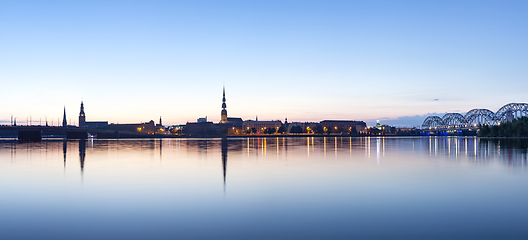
<point>265,188</point>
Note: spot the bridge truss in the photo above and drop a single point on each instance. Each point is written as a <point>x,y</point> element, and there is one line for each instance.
<point>476,117</point>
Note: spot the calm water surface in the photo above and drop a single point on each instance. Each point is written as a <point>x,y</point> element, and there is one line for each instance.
<point>265,188</point>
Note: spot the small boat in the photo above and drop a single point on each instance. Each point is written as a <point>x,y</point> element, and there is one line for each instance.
<point>92,136</point>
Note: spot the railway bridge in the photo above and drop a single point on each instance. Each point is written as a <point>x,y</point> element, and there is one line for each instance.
<point>474,118</point>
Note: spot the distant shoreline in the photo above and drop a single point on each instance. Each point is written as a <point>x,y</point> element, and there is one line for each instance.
<point>267,136</point>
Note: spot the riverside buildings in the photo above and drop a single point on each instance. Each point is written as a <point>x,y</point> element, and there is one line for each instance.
<point>146,127</point>
<point>343,126</point>
<point>261,126</point>
<point>232,126</point>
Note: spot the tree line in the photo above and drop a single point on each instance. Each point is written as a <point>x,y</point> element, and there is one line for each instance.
<point>516,128</point>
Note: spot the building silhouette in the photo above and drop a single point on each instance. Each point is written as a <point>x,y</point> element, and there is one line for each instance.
<point>229,125</point>
<point>82,117</point>
<point>90,124</point>
<point>261,126</point>
<point>144,127</point>
<point>344,126</point>
<point>64,122</point>
<point>226,126</point>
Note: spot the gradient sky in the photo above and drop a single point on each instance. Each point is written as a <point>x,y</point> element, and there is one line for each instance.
<point>132,61</point>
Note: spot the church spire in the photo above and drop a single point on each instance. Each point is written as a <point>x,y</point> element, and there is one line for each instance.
<point>64,122</point>
<point>223,99</point>
<point>82,109</point>
<point>223,116</point>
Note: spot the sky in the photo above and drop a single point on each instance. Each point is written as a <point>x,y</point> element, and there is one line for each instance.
<point>133,61</point>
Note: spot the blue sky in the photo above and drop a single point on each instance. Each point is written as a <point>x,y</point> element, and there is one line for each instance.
<point>132,61</point>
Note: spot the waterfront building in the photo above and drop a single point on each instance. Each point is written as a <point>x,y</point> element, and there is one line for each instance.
<point>176,129</point>
<point>307,127</point>
<point>146,127</point>
<point>385,129</point>
<point>200,129</point>
<point>91,125</point>
<point>343,126</point>
<point>261,126</point>
<point>96,125</point>
<point>160,129</point>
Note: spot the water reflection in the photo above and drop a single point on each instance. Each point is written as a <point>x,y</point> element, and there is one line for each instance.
<point>302,187</point>
<point>478,149</point>
<point>224,159</point>
<point>64,150</point>
<point>82,154</point>
<point>514,152</point>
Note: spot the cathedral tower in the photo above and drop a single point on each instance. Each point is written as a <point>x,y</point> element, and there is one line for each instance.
<point>223,116</point>
<point>82,117</point>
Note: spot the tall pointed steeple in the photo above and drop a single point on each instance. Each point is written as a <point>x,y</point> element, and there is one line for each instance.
<point>64,122</point>
<point>223,116</point>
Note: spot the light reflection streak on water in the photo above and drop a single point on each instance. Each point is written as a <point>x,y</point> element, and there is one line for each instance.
<point>335,148</point>
<point>350,141</point>
<point>499,149</point>
<point>383,144</point>
<point>308,146</point>
<point>277,143</point>
<point>377,151</point>
<point>448,145</point>
<point>258,146</point>
<point>324,147</point>
<point>443,147</point>
<point>368,148</point>
<point>364,139</point>
<point>457,147</point>
<point>430,147</point>
<point>475,146</point>
<point>265,143</point>
<point>466,146</point>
